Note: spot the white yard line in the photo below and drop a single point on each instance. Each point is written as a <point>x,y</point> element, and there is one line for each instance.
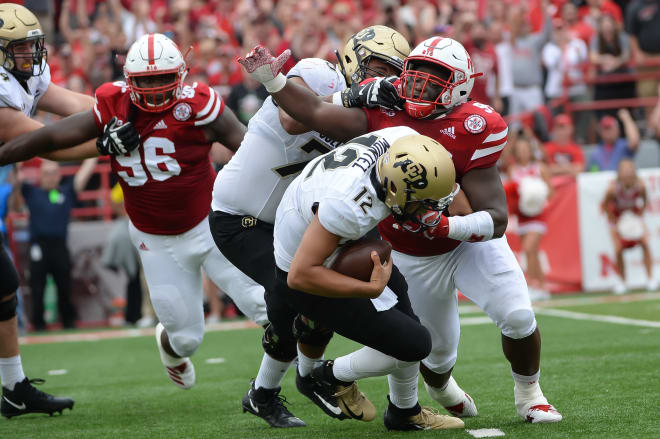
<point>597,318</point>
<point>486,432</point>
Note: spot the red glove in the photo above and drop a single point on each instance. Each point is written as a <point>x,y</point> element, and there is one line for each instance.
<point>432,223</point>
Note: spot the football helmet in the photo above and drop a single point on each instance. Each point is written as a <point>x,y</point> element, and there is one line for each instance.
<point>418,175</point>
<point>377,41</point>
<point>150,58</point>
<point>426,93</point>
<point>22,48</point>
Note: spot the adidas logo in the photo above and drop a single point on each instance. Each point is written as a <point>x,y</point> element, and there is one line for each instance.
<point>143,247</point>
<point>449,131</point>
<point>160,125</point>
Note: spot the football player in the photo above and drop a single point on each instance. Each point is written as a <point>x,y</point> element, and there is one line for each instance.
<point>439,254</point>
<point>249,188</point>
<point>25,87</point>
<point>158,131</point>
<point>340,197</point>
<point>624,204</point>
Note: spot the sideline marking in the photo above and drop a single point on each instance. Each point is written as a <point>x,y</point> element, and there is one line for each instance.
<point>215,360</point>
<point>597,318</point>
<point>58,372</point>
<point>486,432</point>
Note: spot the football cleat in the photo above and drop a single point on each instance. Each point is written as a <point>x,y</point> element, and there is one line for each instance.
<point>182,374</point>
<point>464,408</point>
<point>349,399</point>
<point>25,398</point>
<point>321,395</point>
<point>268,404</point>
<point>426,419</point>
<point>542,414</point>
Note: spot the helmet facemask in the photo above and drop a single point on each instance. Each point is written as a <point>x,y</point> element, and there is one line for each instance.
<point>30,60</point>
<point>155,98</point>
<point>426,92</point>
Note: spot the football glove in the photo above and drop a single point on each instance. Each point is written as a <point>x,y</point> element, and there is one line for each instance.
<point>265,68</point>
<point>118,139</point>
<point>379,92</point>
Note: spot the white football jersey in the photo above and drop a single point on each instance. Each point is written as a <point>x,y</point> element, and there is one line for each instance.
<point>337,185</point>
<point>13,95</point>
<point>269,158</point>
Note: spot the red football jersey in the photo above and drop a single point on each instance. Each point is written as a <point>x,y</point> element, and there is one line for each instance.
<point>473,133</point>
<point>168,180</point>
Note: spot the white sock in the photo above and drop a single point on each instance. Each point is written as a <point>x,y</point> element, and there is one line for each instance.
<point>365,363</point>
<point>166,358</point>
<point>403,386</point>
<point>305,363</point>
<point>271,373</point>
<point>449,395</point>
<point>11,371</point>
<point>527,391</point>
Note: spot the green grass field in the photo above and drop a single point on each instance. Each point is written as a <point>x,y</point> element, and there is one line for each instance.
<point>603,377</point>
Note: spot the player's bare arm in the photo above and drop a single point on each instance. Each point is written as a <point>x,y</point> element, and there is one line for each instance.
<point>289,124</point>
<point>226,129</point>
<point>483,187</point>
<point>65,133</point>
<point>302,104</point>
<point>460,206</point>
<point>63,102</point>
<point>13,123</point>
<point>308,274</point>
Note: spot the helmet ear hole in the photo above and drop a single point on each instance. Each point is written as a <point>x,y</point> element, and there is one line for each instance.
<point>392,187</point>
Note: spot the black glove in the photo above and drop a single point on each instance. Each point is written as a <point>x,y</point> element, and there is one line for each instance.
<point>118,139</point>
<point>380,92</point>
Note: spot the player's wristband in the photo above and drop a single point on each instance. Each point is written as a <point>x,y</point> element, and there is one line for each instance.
<point>337,99</point>
<point>477,226</point>
<point>276,84</point>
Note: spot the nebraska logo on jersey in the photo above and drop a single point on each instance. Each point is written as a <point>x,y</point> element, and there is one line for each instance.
<point>182,111</point>
<point>449,131</point>
<point>475,124</point>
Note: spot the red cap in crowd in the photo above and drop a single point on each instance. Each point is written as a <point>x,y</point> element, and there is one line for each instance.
<point>607,122</point>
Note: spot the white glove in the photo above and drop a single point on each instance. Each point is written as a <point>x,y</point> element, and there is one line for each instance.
<point>265,68</point>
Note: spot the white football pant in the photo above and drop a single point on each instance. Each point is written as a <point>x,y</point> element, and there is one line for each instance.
<point>172,267</point>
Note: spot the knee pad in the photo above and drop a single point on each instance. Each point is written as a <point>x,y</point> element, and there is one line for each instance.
<point>306,331</point>
<point>8,309</point>
<point>185,345</point>
<point>519,323</point>
<point>281,348</point>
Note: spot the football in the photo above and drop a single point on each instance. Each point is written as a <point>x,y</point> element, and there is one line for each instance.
<point>354,259</point>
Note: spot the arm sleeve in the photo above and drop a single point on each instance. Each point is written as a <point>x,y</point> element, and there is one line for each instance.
<point>319,75</point>
<point>339,219</point>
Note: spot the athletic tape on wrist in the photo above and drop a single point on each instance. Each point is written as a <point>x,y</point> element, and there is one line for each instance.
<point>337,99</point>
<point>276,84</point>
<point>477,226</point>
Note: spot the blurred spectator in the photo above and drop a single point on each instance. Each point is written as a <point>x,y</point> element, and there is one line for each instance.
<point>50,205</point>
<point>624,205</point>
<point>119,253</point>
<point>526,57</point>
<point>246,98</point>
<point>474,36</point>
<point>562,154</point>
<point>504,53</point>
<point>565,59</point>
<point>613,148</point>
<point>610,54</point>
<point>576,26</point>
<point>643,26</point>
<point>531,186</point>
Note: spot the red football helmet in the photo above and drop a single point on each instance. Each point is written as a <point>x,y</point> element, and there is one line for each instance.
<point>154,72</point>
<point>427,93</point>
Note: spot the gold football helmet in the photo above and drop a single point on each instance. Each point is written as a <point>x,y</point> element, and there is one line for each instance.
<point>417,174</point>
<point>377,41</point>
<point>21,41</point>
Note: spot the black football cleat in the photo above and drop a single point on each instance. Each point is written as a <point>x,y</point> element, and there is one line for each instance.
<point>268,404</point>
<point>320,393</point>
<point>25,398</point>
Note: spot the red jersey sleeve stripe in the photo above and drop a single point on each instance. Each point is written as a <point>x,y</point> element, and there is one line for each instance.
<point>487,151</point>
<point>494,137</point>
<point>217,109</point>
<point>97,113</point>
<point>209,105</point>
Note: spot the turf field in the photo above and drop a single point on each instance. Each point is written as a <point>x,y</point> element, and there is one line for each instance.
<point>602,375</point>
